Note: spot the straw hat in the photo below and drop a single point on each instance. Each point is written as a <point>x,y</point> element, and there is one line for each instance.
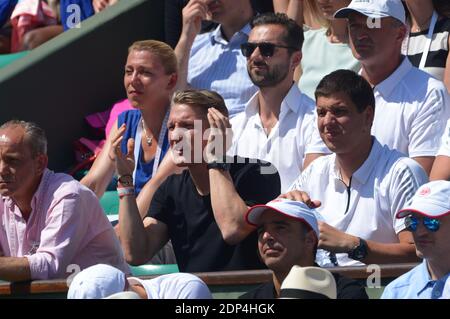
<point>308,283</point>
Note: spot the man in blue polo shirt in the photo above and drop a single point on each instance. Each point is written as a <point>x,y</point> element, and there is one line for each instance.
<point>428,218</point>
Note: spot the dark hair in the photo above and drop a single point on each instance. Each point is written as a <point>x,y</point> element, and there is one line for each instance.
<point>350,83</point>
<point>442,7</point>
<point>201,98</point>
<point>34,135</point>
<point>294,33</point>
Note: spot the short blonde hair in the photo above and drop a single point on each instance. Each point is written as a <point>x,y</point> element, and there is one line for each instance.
<point>162,50</point>
<point>201,98</point>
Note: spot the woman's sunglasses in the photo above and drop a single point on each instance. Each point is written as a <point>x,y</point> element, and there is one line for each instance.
<point>267,49</point>
<point>432,224</point>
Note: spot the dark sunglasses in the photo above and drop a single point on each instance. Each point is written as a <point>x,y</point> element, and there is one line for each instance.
<point>266,48</point>
<point>432,224</point>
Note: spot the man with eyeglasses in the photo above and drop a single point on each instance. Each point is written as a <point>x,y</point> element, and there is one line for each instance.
<point>278,124</point>
<point>427,217</point>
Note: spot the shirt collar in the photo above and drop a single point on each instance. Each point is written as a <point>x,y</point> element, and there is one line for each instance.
<point>39,192</point>
<point>423,279</point>
<point>292,100</point>
<point>217,37</point>
<point>362,174</point>
<point>389,84</point>
<point>42,188</point>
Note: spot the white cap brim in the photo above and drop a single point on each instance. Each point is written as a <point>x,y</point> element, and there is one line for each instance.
<point>344,13</point>
<point>424,209</point>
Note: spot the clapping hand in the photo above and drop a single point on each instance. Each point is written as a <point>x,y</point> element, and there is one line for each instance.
<point>125,163</point>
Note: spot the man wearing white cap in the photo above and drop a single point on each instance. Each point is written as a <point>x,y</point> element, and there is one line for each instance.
<point>103,281</point>
<point>412,107</point>
<point>288,235</point>
<point>427,216</point>
<point>441,166</point>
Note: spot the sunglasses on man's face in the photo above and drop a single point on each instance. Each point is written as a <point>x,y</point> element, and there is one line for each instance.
<point>266,49</point>
<point>432,224</point>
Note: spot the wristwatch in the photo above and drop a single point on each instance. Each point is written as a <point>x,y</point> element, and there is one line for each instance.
<point>359,252</point>
<point>125,180</point>
<point>224,166</point>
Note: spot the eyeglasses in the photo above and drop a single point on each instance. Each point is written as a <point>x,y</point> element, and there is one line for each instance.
<point>267,49</point>
<point>432,224</point>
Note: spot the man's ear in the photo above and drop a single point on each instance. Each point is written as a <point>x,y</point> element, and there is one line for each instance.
<point>42,162</point>
<point>369,115</point>
<point>172,81</point>
<point>296,58</point>
<point>311,240</point>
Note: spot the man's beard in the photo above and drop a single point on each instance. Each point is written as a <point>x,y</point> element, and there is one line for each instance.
<point>271,77</point>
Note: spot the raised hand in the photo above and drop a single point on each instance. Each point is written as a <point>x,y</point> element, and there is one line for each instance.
<point>125,163</point>
<point>220,136</point>
<point>301,196</point>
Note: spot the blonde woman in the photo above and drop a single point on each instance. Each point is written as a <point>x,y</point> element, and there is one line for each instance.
<point>325,49</point>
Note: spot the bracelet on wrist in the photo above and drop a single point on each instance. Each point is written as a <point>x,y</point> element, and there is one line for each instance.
<point>125,191</point>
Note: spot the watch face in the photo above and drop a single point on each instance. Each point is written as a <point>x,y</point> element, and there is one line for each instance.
<point>126,180</point>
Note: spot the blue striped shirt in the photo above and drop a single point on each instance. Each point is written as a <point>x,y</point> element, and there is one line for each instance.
<point>218,65</point>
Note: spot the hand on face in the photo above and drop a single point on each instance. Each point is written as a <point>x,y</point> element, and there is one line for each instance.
<point>193,14</point>
<point>220,136</point>
<point>125,163</point>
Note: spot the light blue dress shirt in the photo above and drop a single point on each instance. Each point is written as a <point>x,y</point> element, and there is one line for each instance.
<point>415,284</point>
<point>218,65</point>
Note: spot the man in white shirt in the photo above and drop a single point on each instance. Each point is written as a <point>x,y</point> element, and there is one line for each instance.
<point>441,166</point>
<point>358,189</point>
<point>411,106</point>
<point>279,123</point>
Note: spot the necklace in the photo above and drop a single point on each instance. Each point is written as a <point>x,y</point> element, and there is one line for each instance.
<point>148,139</point>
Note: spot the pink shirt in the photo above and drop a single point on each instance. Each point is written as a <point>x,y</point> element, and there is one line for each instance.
<point>117,108</point>
<point>67,230</point>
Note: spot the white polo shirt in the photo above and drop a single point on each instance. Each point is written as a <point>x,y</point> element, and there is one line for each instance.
<point>294,135</point>
<point>378,190</point>
<point>445,144</point>
<point>411,108</point>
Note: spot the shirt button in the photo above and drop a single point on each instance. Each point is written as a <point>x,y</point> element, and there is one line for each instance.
<point>436,294</point>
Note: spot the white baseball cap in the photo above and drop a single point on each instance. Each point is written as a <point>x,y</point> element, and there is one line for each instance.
<point>290,208</point>
<point>95,282</point>
<point>173,286</point>
<point>309,283</point>
<point>374,9</point>
<point>431,200</point>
